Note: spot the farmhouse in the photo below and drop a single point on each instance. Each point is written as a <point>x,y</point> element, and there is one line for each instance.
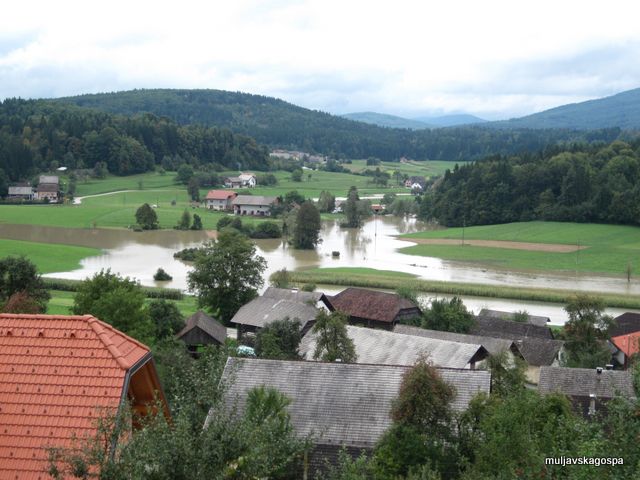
<point>372,308</point>
<point>219,199</point>
<point>201,330</point>
<point>277,304</point>
<point>340,405</point>
<point>381,347</point>
<point>253,205</point>
<point>588,388</point>
<point>20,192</point>
<point>244,180</point>
<point>48,188</point>
<point>63,372</point>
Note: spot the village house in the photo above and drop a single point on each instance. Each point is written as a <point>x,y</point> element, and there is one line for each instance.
<point>589,389</point>
<point>381,347</point>
<point>340,405</point>
<point>416,183</point>
<point>278,304</point>
<point>253,205</point>
<point>372,308</point>
<point>244,180</point>
<point>624,338</point>
<point>202,330</point>
<point>20,192</point>
<point>48,188</point>
<point>219,199</point>
<point>64,372</point>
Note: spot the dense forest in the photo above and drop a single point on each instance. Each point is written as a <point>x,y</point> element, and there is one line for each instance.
<point>581,184</point>
<point>38,135</point>
<point>283,125</point>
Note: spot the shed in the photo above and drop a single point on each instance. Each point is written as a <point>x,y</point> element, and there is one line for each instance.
<point>201,329</point>
<point>534,319</point>
<point>253,205</point>
<point>261,311</point>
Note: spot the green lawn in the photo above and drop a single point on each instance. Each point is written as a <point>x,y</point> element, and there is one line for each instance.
<point>359,271</point>
<point>610,248</point>
<point>66,257</point>
<point>426,168</point>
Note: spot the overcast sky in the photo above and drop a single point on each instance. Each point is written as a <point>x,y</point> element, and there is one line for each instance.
<point>496,59</point>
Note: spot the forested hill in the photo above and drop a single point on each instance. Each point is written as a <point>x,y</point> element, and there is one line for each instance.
<point>36,135</point>
<point>583,184</point>
<point>281,124</point>
<point>385,120</point>
<point>621,110</point>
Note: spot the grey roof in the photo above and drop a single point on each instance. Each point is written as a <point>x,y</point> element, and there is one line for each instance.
<point>533,319</point>
<point>342,404</point>
<point>497,327</point>
<point>49,179</point>
<point>539,351</point>
<point>628,322</point>
<point>20,190</point>
<point>492,344</point>
<point>582,382</point>
<point>48,188</point>
<point>253,200</point>
<point>382,347</point>
<point>293,295</point>
<point>263,310</point>
<point>207,324</point>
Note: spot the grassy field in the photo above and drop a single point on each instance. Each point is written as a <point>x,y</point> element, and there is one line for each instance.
<point>66,257</point>
<point>359,271</point>
<point>427,168</point>
<point>392,281</point>
<point>609,248</point>
<point>62,301</point>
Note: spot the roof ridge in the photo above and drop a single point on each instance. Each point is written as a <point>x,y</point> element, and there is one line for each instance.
<point>101,328</point>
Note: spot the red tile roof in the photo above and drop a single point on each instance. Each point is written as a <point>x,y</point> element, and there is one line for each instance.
<point>220,194</point>
<point>629,344</point>
<point>56,375</point>
<point>371,304</point>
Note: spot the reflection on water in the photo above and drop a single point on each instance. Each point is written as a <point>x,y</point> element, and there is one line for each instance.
<point>139,255</point>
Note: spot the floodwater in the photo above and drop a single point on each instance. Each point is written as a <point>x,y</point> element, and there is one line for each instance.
<point>140,254</point>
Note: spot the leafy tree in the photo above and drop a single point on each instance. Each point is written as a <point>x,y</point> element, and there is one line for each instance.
<point>280,278</point>
<point>116,300</point>
<point>146,217</point>
<point>350,209</point>
<point>448,315</point>
<point>292,198</point>
<point>193,189</point>
<point>506,377</point>
<point>185,221</point>
<point>227,274</point>
<point>165,317</point>
<point>521,316</point>
<point>161,275</point>
<point>21,302</point>
<point>267,230</point>
<point>307,231</point>
<point>279,339</point>
<point>326,202</point>
<point>332,340</point>
<point>18,275</point>
<point>229,221</point>
<point>197,222</point>
<point>296,175</point>
<point>100,170</point>
<point>586,333</point>
<point>185,173</point>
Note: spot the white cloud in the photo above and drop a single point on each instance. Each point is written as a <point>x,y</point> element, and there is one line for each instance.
<point>492,57</point>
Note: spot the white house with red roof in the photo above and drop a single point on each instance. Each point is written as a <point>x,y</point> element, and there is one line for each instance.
<point>219,199</point>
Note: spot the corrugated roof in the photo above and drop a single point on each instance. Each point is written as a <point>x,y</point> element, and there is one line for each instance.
<point>370,304</point>
<point>207,324</point>
<point>20,190</point>
<point>493,345</point>
<point>497,327</point>
<point>49,179</point>
<point>533,319</point>
<point>219,194</point>
<point>253,200</point>
<point>582,382</point>
<point>628,322</point>
<point>343,404</point>
<point>263,310</point>
<point>56,373</point>
<point>382,347</point>
<point>293,295</point>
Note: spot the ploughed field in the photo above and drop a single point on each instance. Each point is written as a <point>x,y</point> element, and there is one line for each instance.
<point>583,247</point>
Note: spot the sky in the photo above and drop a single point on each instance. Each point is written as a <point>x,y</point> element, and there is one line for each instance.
<point>492,58</point>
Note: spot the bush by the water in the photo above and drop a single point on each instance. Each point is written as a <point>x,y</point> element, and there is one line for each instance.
<point>187,254</point>
<point>162,276</point>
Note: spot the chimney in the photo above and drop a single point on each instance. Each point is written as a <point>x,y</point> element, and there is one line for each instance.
<point>592,404</point>
<point>599,370</point>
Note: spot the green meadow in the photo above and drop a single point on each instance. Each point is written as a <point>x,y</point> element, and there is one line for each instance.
<point>609,249</point>
<point>66,257</point>
<point>426,168</point>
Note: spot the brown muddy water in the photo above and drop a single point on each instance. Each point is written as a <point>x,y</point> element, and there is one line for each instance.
<point>139,254</point>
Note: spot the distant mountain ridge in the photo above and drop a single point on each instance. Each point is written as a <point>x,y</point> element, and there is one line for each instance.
<point>452,120</point>
<point>386,120</point>
<point>621,110</point>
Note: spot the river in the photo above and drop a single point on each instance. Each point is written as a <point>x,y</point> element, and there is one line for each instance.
<point>139,254</point>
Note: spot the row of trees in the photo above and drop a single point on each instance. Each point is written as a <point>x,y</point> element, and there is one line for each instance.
<point>581,183</point>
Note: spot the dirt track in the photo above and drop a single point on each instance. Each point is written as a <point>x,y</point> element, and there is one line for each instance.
<point>533,247</point>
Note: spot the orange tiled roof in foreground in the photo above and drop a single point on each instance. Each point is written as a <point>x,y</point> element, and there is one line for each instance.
<point>57,373</point>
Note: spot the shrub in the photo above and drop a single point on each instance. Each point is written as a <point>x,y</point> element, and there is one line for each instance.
<point>162,276</point>
<point>267,229</point>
